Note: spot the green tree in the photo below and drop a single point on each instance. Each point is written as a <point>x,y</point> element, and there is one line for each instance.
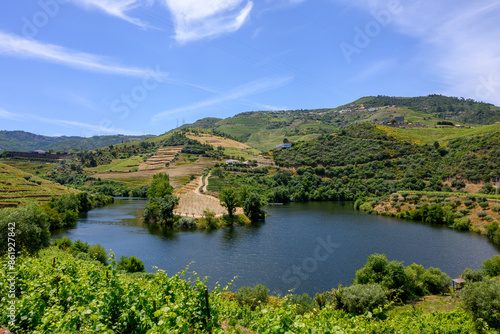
<point>252,207</point>
<point>29,227</point>
<point>492,266</point>
<point>482,299</point>
<point>130,264</point>
<point>229,199</point>
<point>160,186</point>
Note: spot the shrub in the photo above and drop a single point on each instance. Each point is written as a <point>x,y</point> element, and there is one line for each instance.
<point>484,205</point>
<point>496,208</point>
<point>473,275</point>
<point>462,224</point>
<point>31,228</point>
<point>186,223</point>
<point>492,266</point>
<point>465,212</point>
<point>253,296</point>
<point>63,243</point>
<point>435,281</point>
<point>482,299</point>
<point>303,303</point>
<point>482,214</point>
<point>80,246</point>
<point>457,202</point>
<point>488,218</point>
<point>131,264</point>
<point>97,252</point>
<point>492,228</point>
<point>360,298</point>
<point>468,203</point>
<point>252,207</point>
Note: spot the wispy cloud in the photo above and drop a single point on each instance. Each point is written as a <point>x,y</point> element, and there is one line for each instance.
<point>239,92</point>
<point>456,41</point>
<point>89,128</point>
<point>374,68</point>
<point>194,19</point>
<point>20,47</point>
<point>116,8</point>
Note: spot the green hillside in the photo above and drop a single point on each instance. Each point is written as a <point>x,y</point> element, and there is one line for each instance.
<point>25,141</point>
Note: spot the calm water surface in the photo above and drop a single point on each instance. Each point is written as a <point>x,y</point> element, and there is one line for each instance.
<point>308,247</point>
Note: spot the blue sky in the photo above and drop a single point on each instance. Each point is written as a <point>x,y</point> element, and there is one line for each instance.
<point>98,67</point>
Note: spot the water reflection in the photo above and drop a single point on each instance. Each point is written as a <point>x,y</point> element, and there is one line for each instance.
<point>268,252</point>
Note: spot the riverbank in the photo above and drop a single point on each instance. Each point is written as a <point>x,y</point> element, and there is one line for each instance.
<point>471,212</point>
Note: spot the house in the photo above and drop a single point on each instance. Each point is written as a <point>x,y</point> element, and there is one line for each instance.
<point>384,120</point>
<point>231,161</point>
<point>372,109</point>
<point>283,146</point>
<point>399,119</point>
<point>39,151</point>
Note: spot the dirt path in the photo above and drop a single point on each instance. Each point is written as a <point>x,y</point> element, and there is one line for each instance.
<point>192,202</point>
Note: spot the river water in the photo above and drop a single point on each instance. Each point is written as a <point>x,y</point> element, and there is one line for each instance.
<point>304,247</point>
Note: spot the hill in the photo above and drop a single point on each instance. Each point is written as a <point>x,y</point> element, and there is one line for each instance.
<point>25,141</point>
<point>17,187</point>
<point>264,130</point>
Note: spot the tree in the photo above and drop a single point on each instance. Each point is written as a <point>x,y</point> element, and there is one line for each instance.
<point>131,264</point>
<point>160,186</point>
<point>482,299</point>
<point>229,199</point>
<point>252,207</point>
<point>28,224</point>
<point>492,266</point>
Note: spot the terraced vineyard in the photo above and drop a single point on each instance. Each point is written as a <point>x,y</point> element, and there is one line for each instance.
<point>163,156</point>
<point>18,188</point>
<point>192,203</point>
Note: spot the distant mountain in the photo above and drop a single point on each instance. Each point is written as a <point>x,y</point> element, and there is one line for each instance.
<point>25,141</point>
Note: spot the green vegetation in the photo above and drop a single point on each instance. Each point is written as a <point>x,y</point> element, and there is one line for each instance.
<point>160,209</point>
<point>63,290</point>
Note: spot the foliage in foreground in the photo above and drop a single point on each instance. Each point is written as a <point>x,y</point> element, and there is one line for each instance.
<point>78,294</point>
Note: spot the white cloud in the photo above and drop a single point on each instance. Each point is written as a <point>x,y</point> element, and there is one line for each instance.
<point>374,68</point>
<point>456,41</point>
<point>20,47</point>
<point>194,19</point>
<point>117,8</point>
<point>239,92</point>
<point>96,129</point>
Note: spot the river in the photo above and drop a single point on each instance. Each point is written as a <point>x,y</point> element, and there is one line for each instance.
<point>307,247</point>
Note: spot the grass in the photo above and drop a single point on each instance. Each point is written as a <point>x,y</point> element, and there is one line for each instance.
<point>119,165</point>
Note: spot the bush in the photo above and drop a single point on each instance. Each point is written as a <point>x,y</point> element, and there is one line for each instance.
<point>80,246</point>
<point>63,243</point>
<point>130,265</point>
<point>253,297</point>
<point>462,224</point>
<point>303,303</point>
<point>482,214</point>
<point>496,208</point>
<point>29,225</point>
<point>484,205</point>
<point>361,298</point>
<point>465,212</point>
<point>492,228</point>
<point>482,299</point>
<point>473,275</point>
<point>435,281</point>
<point>492,266</point>
<point>97,252</point>
<point>186,223</point>
<point>468,203</point>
